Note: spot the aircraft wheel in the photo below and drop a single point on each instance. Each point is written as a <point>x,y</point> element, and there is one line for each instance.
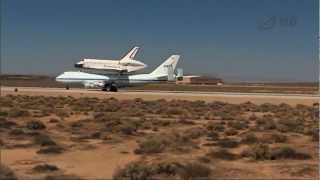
<point>113,88</point>
<point>67,87</point>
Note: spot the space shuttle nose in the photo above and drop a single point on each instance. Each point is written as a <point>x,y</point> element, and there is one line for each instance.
<point>78,65</point>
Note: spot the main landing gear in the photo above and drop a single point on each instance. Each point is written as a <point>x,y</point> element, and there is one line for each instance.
<point>110,87</point>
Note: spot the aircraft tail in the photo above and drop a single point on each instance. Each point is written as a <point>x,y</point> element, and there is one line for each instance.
<point>131,54</point>
<point>167,68</point>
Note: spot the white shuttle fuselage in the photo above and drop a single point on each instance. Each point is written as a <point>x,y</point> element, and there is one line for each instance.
<point>127,64</point>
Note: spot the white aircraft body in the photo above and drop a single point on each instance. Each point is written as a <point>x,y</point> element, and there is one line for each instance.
<point>126,64</point>
<point>164,72</point>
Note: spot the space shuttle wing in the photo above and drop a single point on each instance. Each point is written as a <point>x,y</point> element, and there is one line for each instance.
<point>134,68</point>
<point>105,67</point>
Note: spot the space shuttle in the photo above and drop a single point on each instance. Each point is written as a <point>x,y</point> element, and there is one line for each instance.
<point>127,64</point>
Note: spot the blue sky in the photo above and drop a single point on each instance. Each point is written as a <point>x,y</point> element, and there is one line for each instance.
<point>254,40</point>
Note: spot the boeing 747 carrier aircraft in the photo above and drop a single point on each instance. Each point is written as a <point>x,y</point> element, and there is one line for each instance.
<point>164,72</point>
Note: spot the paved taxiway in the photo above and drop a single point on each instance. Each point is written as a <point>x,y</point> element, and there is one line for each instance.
<point>229,97</point>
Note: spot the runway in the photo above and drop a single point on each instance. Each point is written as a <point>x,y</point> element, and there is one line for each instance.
<point>230,97</point>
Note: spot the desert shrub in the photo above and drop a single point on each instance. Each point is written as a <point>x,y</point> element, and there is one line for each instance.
<point>151,146</point>
<point>283,107</point>
<point>265,123</point>
<point>213,136</point>
<point>63,177</point>
<point>186,122</point>
<point>3,113</point>
<point>4,123</point>
<point>95,135</point>
<point>282,128</point>
<point>288,153</point>
<point>173,141</point>
<point>161,122</point>
<point>54,120</point>
<point>124,125</point>
<point>231,132</point>
<point>253,117</point>
<point>267,107</point>
<point>179,141</point>
<point>215,127</point>
<point>42,113</point>
<point>315,134</point>
<point>194,170</point>
<point>176,111</point>
<point>76,124</point>
<point>51,150</point>
<point>109,116</point>
<point>167,168</point>
<point>258,152</point>
<point>99,116</point>
<point>128,128</point>
<point>274,138</point>
<point>290,124</point>
<point>134,171</point>
<point>249,138</point>
<point>1,142</point>
<point>16,132</point>
<point>35,125</point>
<point>222,154</point>
<point>45,168</point>
<point>144,171</point>
<point>6,173</point>
<point>204,159</point>
<point>32,133</point>
<point>44,140</point>
<point>228,143</point>
<point>238,125</point>
<point>135,112</point>
<point>194,133</point>
<point>62,113</point>
<point>224,115</point>
<point>17,112</point>
<point>208,116</point>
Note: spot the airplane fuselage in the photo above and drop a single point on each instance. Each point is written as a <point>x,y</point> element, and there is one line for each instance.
<point>96,80</point>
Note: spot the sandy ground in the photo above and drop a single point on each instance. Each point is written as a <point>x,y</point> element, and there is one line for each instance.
<point>257,98</point>
<point>98,162</point>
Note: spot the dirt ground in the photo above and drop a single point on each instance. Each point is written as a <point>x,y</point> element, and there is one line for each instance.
<point>99,138</point>
<point>257,98</point>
